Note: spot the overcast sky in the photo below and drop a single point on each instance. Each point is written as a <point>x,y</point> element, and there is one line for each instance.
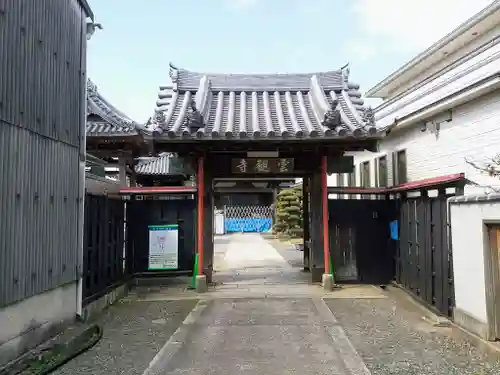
<point>129,58</point>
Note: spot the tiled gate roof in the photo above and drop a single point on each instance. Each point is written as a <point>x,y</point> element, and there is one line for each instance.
<point>263,106</point>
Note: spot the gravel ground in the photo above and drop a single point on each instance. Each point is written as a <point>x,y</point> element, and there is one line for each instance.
<point>133,333</point>
<point>393,339</point>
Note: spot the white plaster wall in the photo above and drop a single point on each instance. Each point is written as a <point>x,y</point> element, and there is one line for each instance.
<point>473,133</point>
<point>25,324</point>
<point>468,230</point>
<point>331,180</point>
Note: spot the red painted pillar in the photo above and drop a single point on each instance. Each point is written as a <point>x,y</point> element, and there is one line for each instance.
<point>200,182</point>
<point>324,201</point>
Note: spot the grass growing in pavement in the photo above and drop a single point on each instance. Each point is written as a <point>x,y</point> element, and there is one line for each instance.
<point>295,241</point>
<point>284,238</point>
<point>47,360</point>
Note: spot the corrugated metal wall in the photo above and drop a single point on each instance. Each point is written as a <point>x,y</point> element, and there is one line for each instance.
<point>42,119</point>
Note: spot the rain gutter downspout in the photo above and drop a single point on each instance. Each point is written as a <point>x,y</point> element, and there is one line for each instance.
<point>81,174</point>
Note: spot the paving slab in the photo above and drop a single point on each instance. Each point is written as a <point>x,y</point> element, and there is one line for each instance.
<point>255,266</point>
<point>263,336</point>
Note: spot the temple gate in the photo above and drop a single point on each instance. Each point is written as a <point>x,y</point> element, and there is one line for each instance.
<point>260,127</point>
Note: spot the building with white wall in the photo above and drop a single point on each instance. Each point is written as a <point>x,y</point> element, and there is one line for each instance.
<point>440,110</point>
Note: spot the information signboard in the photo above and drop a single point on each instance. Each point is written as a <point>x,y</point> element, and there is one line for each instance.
<point>163,247</point>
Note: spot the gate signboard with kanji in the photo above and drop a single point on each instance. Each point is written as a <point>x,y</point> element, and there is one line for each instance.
<point>262,165</point>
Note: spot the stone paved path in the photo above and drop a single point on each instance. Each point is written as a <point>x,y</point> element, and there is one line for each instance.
<point>249,263</point>
<point>271,271</point>
<point>260,336</point>
<point>264,317</point>
<point>252,250</point>
<point>368,332</point>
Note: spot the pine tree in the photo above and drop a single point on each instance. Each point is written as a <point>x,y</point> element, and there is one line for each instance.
<point>289,213</point>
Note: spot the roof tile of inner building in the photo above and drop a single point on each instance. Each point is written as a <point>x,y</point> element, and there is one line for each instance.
<point>261,106</point>
<point>103,119</point>
<point>165,164</point>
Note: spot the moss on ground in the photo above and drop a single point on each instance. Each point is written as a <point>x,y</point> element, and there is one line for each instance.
<point>49,359</point>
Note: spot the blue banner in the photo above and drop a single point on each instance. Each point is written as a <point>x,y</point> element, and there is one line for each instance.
<point>393,225</point>
<point>255,225</point>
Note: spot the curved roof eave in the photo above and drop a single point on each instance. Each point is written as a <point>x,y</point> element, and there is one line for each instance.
<point>99,106</point>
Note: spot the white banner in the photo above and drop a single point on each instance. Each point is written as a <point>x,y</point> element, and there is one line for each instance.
<point>163,247</point>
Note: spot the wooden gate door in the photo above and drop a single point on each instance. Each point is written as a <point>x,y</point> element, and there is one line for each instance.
<point>360,241</point>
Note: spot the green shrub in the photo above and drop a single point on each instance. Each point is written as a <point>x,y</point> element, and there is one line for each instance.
<point>289,213</point>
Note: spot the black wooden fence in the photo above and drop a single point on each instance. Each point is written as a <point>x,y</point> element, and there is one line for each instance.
<point>423,256</point>
<point>103,257</point>
<point>420,259</point>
